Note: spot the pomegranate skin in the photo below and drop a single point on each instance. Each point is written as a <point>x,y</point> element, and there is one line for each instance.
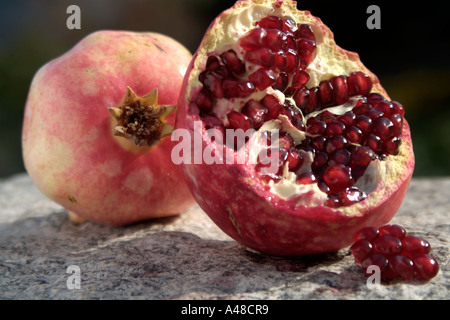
<point>244,207</point>
<point>68,145</point>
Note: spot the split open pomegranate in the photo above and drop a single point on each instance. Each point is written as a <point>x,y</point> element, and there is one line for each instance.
<point>342,149</point>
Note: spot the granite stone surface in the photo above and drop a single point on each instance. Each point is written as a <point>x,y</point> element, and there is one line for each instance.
<point>188,257</point>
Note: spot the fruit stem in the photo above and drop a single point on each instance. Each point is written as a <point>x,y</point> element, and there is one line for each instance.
<point>140,119</point>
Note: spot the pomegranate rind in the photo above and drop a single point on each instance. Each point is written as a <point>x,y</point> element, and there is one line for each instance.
<point>68,145</point>
<point>247,209</point>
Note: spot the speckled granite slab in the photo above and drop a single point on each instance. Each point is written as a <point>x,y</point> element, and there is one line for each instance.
<point>188,257</point>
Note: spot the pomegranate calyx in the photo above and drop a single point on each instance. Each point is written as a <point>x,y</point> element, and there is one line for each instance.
<point>140,119</point>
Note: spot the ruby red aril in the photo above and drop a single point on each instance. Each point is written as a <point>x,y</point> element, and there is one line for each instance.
<point>392,230</point>
<point>402,266</point>
<point>361,250</point>
<point>346,133</point>
<point>426,266</point>
<point>397,254</point>
<point>367,233</point>
<point>387,245</point>
<point>415,245</point>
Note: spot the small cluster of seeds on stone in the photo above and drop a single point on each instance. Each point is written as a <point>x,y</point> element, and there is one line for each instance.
<point>277,53</point>
<point>397,254</point>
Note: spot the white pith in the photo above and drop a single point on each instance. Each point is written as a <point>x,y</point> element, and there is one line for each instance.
<point>329,62</point>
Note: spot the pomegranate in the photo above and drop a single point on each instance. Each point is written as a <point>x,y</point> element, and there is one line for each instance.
<point>92,144</point>
<point>326,151</point>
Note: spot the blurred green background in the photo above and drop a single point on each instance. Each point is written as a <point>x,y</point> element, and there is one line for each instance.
<point>410,55</point>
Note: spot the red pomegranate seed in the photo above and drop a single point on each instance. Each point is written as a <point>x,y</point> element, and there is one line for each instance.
<point>392,230</point>
<point>204,100</point>
<point>275,39</point>
<point>318,143</point>
<point>256,112</point>
<point>316,127</point>
<point>335,143</point>
<point>359,83</point>
<point>327,116</point>
<point>211,122</point>
<point>353,134</point>
<point>397,121</point>
<point>313,102</point>
<point>402,266</point>
<point>299,79</point>
<point>387,245</point>
<point>391,146</point>
<point>282,82</point>
<point>375,259</point>
<point>347,118</point>
<point>262,56</point>
<point>361,156</point>
<point>289,24</point>
<point>338,178</point>
<point>364,123</point>
<point>386,107</point>
<point>340,90</point>
<point>238,120</point>
<point>213,84</point>
<point>305,32</point>
<point>267,157</point>
<point>326,96</point>
<point>323,187</point>
<point>361,250</point>
<point>351,196</point>
<point>270,22</point>
<point>245,88</point>
<point>223,72</point>
<point>285,141</point>
<point>374,114</point>
<point>255,39</point>
<point>320,159</point>
<point>231,60</point>
<point>383,128</point>
<point>301,97</point>
<point>306,50</point>
<point>295,159</point>
<point>374,142</point>
<point>273,105</point>
<point>398,108</point>
<point>374,98</point>
<point>362,109</point>
<point>291,60</point>
<point>212,63</point>
<point>367,233</point>
<point>426,266</point>
<point>290,42</point>
<point>306,178</point>
<point>335,128</point>
<point>413,246</point>
<point>340,157</point>
<point>279,61</point>
<point>230,89</point>
<point>263,78</point>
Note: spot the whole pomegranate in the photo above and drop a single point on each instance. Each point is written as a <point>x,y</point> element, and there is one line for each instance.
<point>326,152</point>
<point>94,146</point>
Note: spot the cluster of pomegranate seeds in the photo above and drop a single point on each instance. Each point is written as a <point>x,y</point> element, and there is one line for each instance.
<point>275,55</point>
<point>397,254</point>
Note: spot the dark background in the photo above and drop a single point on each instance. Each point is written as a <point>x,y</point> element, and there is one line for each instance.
<point>410,55</point>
